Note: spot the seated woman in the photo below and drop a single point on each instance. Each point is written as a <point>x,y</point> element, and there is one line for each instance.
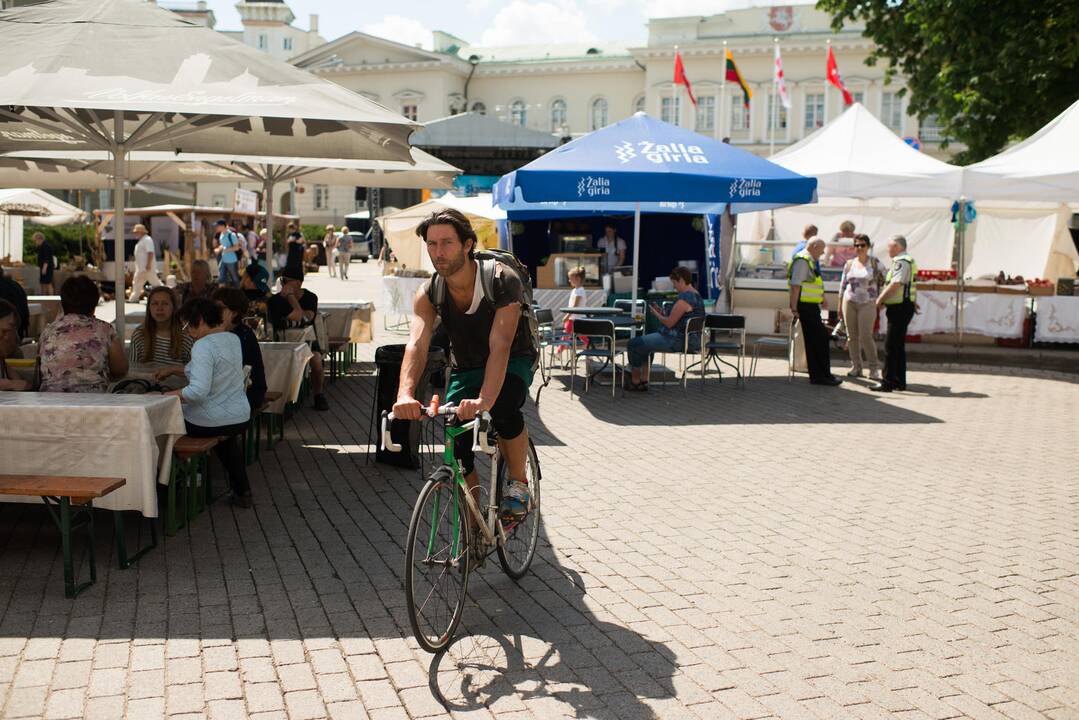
<point>9,345</point>
<point>214,400</point>
<point>672,336</point>
<point>160,339</point>
<point>234,303</point>
<point>200,285</point>
<point>80,353</point>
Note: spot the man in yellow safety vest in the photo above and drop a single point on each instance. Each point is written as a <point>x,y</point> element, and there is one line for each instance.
<point>898,298</point>
<point>807,301</point>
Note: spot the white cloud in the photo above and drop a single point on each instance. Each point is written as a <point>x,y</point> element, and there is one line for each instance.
<point>406,31</point>
<point>532,23</point>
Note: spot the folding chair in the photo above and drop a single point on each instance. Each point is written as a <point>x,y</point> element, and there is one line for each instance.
<point>716,327</point>
<point>773,341</point>
<point>602,343</point>
<point>694,328</point>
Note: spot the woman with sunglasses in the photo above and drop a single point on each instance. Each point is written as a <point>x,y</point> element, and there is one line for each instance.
<point>858,289</point>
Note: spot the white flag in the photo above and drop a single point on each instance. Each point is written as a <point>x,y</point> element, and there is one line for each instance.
<point>781,84</point>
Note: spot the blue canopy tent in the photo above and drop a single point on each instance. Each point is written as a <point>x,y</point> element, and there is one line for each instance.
<point>642,160</point>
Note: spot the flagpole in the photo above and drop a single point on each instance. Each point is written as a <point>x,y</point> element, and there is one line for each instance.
<point>827,82</point>
<point>774,115</point>
<point>676,112</point>
<point>722,92</point>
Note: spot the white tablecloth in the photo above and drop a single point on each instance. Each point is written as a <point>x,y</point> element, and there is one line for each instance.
<point>285,363</point>
<point>350,319</point>
<point>92,435</point>
<point>398,294</point>
<point>990,314</point>
<point>1058,319</point>
<point>559,298</point>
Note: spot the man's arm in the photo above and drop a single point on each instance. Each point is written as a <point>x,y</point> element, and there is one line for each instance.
<point>419,340</point>
<point>503,330</point>
<point>621,245</point>
<point>888,291</point>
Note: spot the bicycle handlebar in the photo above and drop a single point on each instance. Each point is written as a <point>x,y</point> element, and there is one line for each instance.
<point>479,439</point>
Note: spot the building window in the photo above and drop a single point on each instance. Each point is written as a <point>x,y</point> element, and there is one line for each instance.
<point>814,111</point>
<point>706,114</point>
<point>638,104</point>
<point>599,113</point>
<point>739,114</point>
<point>891,111</point>
<point>930,130</point>
<point>479,108</point>
<point>558,116</point>
<point>518,115</point>
<point>288,43</point>
<point>777,114</point>
<point>264,42</point>
<point>670,109</point>
<point>409,111</point>
<point>322,197</point>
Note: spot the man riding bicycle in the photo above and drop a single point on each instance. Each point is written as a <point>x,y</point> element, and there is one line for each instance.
<point>493,353</point>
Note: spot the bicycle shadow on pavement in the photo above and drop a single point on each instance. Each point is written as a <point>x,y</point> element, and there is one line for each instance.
<point>538,645</point>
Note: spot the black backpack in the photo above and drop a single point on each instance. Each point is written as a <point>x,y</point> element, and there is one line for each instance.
<point>487,259</point>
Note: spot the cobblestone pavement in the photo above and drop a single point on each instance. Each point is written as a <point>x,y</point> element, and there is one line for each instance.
<point>780,550</point>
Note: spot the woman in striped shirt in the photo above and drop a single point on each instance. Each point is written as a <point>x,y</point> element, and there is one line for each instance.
<point>160,339</point>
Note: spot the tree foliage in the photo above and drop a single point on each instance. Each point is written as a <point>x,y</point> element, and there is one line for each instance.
<point>992,72</point>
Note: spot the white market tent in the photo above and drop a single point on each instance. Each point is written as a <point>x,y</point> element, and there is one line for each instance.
<point>399,227</point>
<point>16,204</point>
<point>1042,168</point>
<point>857,156</point>
<point>867,174</point>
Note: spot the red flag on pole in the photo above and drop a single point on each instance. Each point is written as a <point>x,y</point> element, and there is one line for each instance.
<point>680,76</point>
<point>836,79</point>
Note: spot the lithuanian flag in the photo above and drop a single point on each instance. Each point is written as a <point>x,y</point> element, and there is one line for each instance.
<point>734,76</point>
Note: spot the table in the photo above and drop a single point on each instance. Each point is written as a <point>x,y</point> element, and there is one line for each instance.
<point>93,434</point>
<point>348,319</point>
<point>553,298</point>
<point>50,306</point>
<point>397,296</point>
<point>37,319</point>
<point>991,314</point>
<point>285,363</point>
<point>1058,319</point>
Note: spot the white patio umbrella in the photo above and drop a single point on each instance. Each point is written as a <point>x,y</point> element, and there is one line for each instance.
<point>51,175</point>
<point>126,75</point>
<point>424,171</point>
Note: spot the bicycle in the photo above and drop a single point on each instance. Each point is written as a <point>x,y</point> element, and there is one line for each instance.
<point>442,543</point>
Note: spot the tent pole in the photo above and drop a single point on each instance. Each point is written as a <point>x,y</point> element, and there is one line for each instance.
<point>267,189</point>
<point>119,155</point>
<point>961,219</point>
<point>636,261</point>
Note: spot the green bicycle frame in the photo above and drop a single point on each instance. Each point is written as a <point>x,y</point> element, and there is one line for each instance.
<point>452,433</point>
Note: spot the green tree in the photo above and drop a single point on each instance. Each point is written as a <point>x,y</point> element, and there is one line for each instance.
<point>992,72</point>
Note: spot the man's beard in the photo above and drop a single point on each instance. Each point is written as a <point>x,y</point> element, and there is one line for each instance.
<point>452,266</point>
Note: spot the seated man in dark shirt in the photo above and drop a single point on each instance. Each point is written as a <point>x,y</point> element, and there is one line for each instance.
<point>295,307</point>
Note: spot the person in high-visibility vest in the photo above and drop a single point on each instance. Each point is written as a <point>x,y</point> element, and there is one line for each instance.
<point>807,302</point>
<point>898,298</point>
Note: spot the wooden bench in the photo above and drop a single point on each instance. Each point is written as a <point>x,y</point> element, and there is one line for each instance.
<point>190,462</point>
<point>274,421</point>
<point>59,494</point>
<point>339,346</point>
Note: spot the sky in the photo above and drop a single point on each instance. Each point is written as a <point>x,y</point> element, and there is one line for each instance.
<point>492,22</point>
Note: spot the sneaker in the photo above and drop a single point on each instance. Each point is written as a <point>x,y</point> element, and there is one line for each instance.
<point>320,403</point>
<point>515,501</point>
<point>874,375</point>
<point>855,373</point>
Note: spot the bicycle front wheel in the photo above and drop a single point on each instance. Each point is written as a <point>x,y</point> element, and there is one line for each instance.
<point>437,561</point>
<point>516,552</point>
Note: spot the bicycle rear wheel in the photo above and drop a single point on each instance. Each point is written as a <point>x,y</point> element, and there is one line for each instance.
<point>437,561</point>
<point>516,553</point>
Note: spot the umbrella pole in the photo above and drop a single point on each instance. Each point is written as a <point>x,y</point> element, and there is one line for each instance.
<point>267,189</point>
<point>119,155</point>
<point>636,262</point>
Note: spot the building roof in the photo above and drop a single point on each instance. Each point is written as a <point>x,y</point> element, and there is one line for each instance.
<point>546,53</point>
<point>475,130</point>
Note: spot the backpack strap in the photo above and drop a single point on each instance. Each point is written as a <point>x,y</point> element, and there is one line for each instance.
<point>487,278</point>
<point>436,292</point>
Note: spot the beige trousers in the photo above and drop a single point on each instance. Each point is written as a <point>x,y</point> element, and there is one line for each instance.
<point>141,278</point>
<point>859,319</point>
